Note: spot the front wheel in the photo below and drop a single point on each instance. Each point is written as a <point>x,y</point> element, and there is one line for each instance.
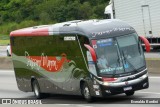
<point>129,93</point>
<point>86,93</point>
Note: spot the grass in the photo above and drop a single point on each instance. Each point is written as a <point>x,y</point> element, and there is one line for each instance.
<point>4,42</point>
<point>4,39</point>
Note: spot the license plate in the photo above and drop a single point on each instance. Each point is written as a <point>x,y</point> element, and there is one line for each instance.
<point>127,88</point>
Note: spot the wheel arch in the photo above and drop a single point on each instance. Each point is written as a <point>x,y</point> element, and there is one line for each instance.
<point>82,81</point>
<point>33,79</point>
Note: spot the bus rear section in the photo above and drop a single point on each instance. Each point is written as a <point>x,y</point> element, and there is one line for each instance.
<point>48,64</point>
<point>94,58</point>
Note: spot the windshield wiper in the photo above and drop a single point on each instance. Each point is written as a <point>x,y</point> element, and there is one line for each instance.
<point>117,64</point>
<point>139,48</point>
<point>126,60</point>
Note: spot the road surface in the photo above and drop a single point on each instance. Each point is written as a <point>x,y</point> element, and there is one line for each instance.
<point>3,51</point>
<point>8,89</point>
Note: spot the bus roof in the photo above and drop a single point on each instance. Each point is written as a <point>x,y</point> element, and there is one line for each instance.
<point>90,28</point>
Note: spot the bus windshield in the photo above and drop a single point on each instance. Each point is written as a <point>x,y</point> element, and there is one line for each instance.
<point>119,55</point>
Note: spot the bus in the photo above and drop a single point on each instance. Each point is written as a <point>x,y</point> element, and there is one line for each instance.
<point>92,58</point>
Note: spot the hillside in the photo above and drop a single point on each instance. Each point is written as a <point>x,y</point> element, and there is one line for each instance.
<point>16,14</point>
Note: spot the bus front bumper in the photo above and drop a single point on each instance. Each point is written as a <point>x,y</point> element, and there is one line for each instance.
<point>123,87</point>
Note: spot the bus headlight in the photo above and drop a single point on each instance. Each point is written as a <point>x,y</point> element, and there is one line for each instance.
<point>105,83</point>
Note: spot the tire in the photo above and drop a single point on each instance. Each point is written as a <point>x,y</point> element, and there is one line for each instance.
<point>8,53</point>
<point>86,93</point>
<point>129,93</point>
<point>36,90</point>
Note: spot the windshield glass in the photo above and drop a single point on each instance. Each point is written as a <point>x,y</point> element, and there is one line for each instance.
<point>119,55</point>
<point>108,56</point>
<point>131,52</point>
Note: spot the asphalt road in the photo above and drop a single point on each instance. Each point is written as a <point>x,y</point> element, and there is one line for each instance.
<point>3,51</point>
<point>8,89</point>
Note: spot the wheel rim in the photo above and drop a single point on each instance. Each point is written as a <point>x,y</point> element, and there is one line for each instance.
<point>36,90</point>
<point>86,92</point>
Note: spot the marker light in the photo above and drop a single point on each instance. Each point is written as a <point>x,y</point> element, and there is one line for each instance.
<point>108,79</point>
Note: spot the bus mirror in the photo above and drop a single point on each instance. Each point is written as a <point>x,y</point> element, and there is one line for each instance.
<point>92,51</point>
<point>146,42</point>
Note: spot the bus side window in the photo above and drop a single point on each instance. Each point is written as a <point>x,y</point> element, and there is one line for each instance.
<point>84,40</point>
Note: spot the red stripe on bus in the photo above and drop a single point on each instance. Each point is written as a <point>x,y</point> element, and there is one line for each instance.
<point>30,32</point>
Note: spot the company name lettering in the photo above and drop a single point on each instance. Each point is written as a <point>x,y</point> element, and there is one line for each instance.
<point>110,31</point>
<point>42,61</point>
<point>111,69</point>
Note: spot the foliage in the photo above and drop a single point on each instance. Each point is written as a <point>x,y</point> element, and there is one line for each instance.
<point>15,14</point>
<point>4,42</point>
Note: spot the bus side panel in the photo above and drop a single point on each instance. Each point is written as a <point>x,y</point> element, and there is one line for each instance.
<point>56,63</point>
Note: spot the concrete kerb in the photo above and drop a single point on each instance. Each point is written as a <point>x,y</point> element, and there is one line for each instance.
<point>153,64</point>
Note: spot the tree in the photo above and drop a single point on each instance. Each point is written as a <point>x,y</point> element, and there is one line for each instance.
<point>49,11</point>
<point>85,10</point>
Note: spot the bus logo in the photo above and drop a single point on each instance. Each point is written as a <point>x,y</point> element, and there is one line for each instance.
<point>49,63</point>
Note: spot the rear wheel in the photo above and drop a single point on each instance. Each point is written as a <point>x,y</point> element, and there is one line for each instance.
<point>36,90</point>
<point>129,93</point>
<point>86,93</point>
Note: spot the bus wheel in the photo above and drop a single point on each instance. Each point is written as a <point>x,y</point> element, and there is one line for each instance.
<point>86,93</point>
<point>36,90</point>
<point>129,93</point>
